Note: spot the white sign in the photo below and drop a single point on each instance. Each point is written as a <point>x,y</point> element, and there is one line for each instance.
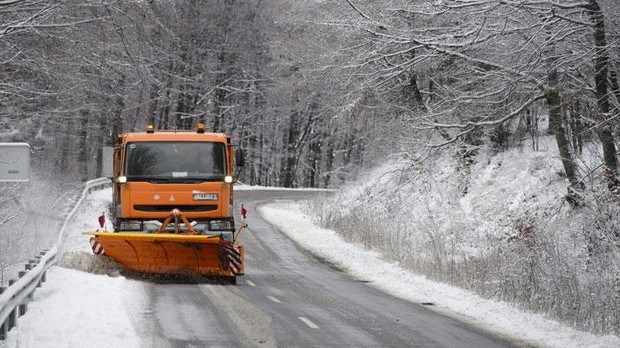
<point>107,158</point>
<point>14,162</point>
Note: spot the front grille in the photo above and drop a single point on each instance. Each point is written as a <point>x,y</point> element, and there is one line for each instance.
<point>182,208</point>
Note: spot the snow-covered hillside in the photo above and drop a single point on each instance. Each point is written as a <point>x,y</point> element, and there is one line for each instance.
<point>497,224</point>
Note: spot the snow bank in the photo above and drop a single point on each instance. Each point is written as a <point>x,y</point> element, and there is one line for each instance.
<point>76,309</point>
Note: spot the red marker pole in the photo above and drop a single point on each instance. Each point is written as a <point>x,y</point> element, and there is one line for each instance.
<point>243,224</point>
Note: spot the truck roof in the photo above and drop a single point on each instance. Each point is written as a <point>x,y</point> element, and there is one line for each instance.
<point>174,136</point>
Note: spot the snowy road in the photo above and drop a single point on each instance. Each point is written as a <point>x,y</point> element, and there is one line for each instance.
<point>305,303</point>
<point>288,298</point>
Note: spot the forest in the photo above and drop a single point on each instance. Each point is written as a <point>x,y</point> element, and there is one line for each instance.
<point>315,92</point>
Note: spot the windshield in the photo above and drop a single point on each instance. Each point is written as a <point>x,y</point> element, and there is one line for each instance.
<point>175,161</point>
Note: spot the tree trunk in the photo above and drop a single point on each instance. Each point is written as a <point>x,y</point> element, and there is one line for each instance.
<point>314,158</point>
<point>117,123</point>
<point>552,95</point>
<point>164,113</point>
<point>65,146</point>
<point>615,85</point>
<point>329,161</point>
<point>153,103</point>
<point>601,66</point>
<point>291,151</point>
<point>102,140</point>
<point>83,147</point>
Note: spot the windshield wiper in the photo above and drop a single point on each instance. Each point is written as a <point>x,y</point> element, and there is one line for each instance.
<point>181,180</point>
<point>178,180</point>
<point>146,178</point>
<point>158,180</point>
<point>211,178</point>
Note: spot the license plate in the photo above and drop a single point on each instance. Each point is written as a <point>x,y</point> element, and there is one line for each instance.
<point>205,196</point>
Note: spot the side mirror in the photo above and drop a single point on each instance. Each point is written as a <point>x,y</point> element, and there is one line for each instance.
<point>239,157</point>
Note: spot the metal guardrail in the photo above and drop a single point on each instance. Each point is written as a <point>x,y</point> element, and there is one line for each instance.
<point>15,298</point>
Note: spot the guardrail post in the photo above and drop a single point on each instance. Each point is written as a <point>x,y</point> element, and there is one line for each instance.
<point>41,280</point>
<point>12,319</point>
<point>4,330</point>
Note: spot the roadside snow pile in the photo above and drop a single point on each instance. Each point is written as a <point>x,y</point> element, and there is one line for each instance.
<point>88,262</point>
<point>497,224</point>
<point>76,252</point>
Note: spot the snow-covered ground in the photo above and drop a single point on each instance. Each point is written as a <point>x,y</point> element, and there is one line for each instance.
<point>77,307</point>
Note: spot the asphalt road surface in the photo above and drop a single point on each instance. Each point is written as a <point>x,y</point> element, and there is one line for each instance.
<point>289,298</point>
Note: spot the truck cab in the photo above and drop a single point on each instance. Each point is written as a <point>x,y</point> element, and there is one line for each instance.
<point>156,172</point>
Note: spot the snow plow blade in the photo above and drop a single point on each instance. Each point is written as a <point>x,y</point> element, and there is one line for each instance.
<point>171,254</point>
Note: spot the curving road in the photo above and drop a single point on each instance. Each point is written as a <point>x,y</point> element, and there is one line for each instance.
<point>288,298</point>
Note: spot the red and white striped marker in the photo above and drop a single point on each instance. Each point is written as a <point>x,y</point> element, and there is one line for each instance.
<point>231,252</point>
<point>97,248</point>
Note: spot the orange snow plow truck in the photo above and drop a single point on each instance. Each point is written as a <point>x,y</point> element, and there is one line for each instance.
<point>173,205</point>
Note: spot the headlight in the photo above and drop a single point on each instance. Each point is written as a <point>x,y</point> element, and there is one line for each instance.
<point>130,226</point>
<point>220,225</point>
